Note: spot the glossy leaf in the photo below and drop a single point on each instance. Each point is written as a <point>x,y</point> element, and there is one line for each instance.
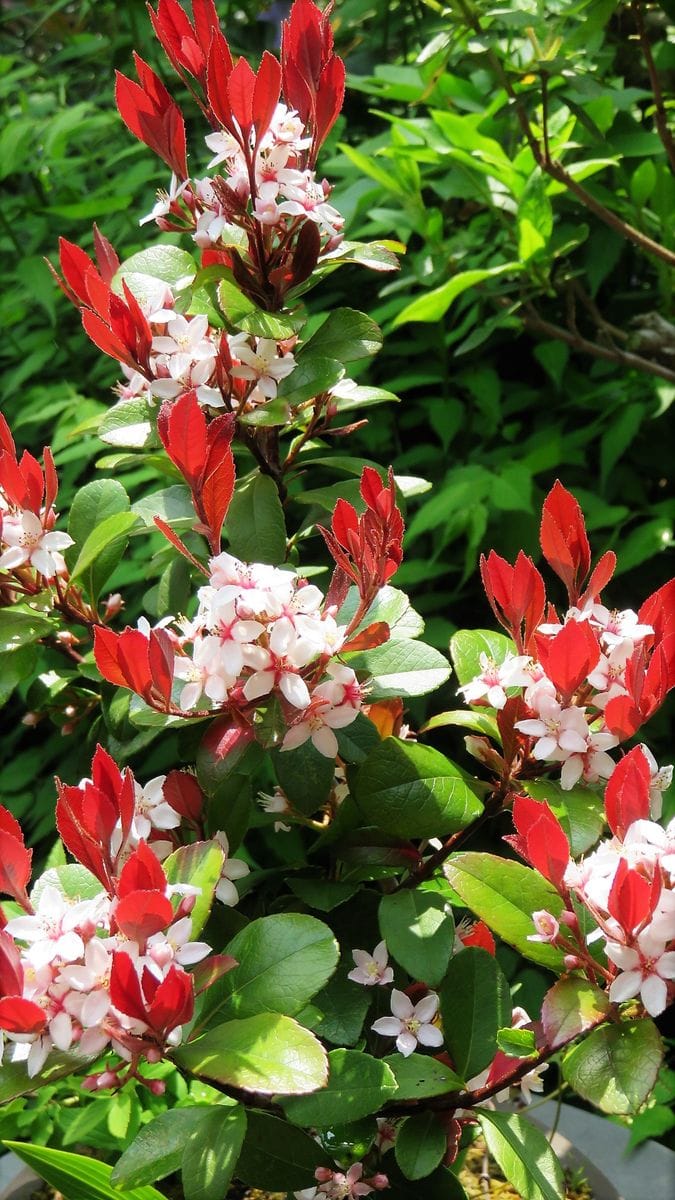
<point>420,1145</point>
<point>504,894</point>
<point>524,1155</point>
<point>346,335</point>
<point>267,1053</point>
<point>475,1005</point>
<point>616,1066</point>
<point>199,865</point>
<point>570,1007</point>
<point>400,668</point>
<point>357,1086</point>
<point>210,1153</point>
<point>467,645</point>
<point>276,1154</point>
<point>419,1076</point>
<point>77,1176</point>
<point>255,523</point>
<point>433,305</point>
<point>413,791</point>
<point>419,933</point>
<point>157,1149</point>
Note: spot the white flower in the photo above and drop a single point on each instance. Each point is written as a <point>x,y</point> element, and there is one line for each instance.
<point>264,364</point>
<point>410,1023</point>
<point>277,803</point>
<point>151,809</point>
<point>29,542</point>
<point>372,968</point>
<point>644,970</point>
<point>495,678</point>
<point>233,868</point>
<point>546,926</point>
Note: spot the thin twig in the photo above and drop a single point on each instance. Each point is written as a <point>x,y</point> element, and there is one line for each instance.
<point>531,320</point>
<point>660,114</point>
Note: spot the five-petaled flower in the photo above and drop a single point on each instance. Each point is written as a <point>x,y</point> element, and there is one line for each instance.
<point>410,1023</point>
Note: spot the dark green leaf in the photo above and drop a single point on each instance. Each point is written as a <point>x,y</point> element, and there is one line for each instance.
<point>419,933</point>
<point>475,1005</point>
<point>211,1152</point>
<point>346,335</point>
<point>357,1085</point>
<point>278,1155</point>
<point>157,1150</point>
<point>420,1145</point>
<point>305,775</point>
<point>19,627</point>
<point>419,1076</point>
<point>255,523</point>
<point>616,1066</point>
<point>313,374</point>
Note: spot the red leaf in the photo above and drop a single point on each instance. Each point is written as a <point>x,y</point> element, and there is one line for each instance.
<point>240,87</point>
<point>218,73</point>
<point>6,439</point>
<point>125,987</point>
<point>600,577</point>
<point>184,794</point>
<point>21,1016</point>
<point>627,792</point>
<point>140,914</point>
<point>345,521</point>
<point>570,656</point>
<point>108,262</point>
<point>373,635</point>
<point>133,657</point>
<point>479,935</point>
<point>329,100</point>
<point>181,425</point>
<point>545,842</point>
<point>141,872</point>
<point>658,611</point>
<point>11,969</point>
<point>630,898</point>
<point>210,970</point>
<point>15,867</point>
<point>106,645</point>
<point>173,1001</point>
<point>75,263</point>
<point>563,539</point>
<point>160,660</point>
<point>265,94</point>
<point>103,337</point>
<point>179,545</point>
<point>622,717</point>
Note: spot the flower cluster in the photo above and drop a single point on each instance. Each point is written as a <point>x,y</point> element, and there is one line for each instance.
<point>581,684</point>
<point>626,887</point>
<point>108,971</point>
<point>341,1185</point>
<point>261,631</point>
<point>27,516</point>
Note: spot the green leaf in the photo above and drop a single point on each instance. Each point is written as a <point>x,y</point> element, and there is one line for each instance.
<point>357,1086</point>
<point>419,1076</point>
<point>244,314</point>
<point>475,1005</point>
<point>420,1145</point>
<point>278,1155</point>
<point>168,263</point>
<point>199,865</point>
<point>580,810</point>
<point>356,741</point>
<point>434,304</point>
<point>570,1007</point>
<point>172,504</point>
<point>157,1149</point>
<point>127,424</point>
<point>467,645</point>
<point>323,894</point>
<point>15,667</point>
<point>255,522</point>
<point>267,1053</point>
<point>346,335</point>
<point>94,504</point>
<point>284,959</point>
<point>77,1176</point>
<point>479,722</point>
<point>642,183</point>
<point>517,1043</point>
<point>20,627</point>
<point>211,1152</point>
<point>419,933</point>
<point>504,894</point>
<point>401,668</point>
<point>524,1155</point>
<point>313,374</point>
<point>343,1006</point>
<point>305,775</point>
<point>73,881</point>
<point>104,546</point>
<point>616,1066</point>
<point>376,255</point>
<point>390,605</point>
<point>535,218</point>
<point>14,1079</point>
<point>413,791</point>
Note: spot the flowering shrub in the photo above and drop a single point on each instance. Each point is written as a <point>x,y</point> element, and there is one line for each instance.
<point>361,1049</point>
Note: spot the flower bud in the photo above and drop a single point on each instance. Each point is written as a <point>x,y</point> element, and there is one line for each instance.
<point>571,962</point>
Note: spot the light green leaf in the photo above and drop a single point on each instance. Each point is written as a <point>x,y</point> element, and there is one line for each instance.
<point>77,1176</point>
<point>524,1155</point>
<point>255,523</point>
<point>211,1152</point>
<point>244,314</point>
<point>357,1086</point>
<point>105,544</point>
<point>616,1066</point>
<point>413,791</point>
<point>73,881</point>
<point>478,722</point>
<point>127,424</point>
<point>15,667</point>
<point>467,645</point>
<point>390,605</point>
<point>400,668</point>
<point>168,263</point>
<point>199,865</point>
<point>419,933</point>
<point>504,894</point>
<point>157,1149</point>
<point>172,504</point>
<point>580,810</point>
<point>20,626</point>
<point>434,304</point>
<point>267,1053</point>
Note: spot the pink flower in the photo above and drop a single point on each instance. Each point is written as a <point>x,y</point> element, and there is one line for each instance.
<point>30,544</point>
<point>371,968</point>
<point>644,970</point>
<point>410,1023</point>
<point>546,926</point>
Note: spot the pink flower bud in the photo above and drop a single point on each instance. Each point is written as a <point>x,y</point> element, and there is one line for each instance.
<point>156,1086</point>
<point>571,962</point>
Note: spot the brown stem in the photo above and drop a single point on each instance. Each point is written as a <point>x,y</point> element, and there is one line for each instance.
<point>660,114</point>
<point>531,320</point>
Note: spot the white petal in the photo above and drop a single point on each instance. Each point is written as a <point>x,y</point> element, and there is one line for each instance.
<point>654,995</point>
<point>387,1026</point>
<point>401,1005</point>
<point>406,1043</point>
<point>430,1035</point>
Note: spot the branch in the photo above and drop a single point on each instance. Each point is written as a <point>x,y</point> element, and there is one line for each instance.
<point>531,320</point>
<point>660,114</point>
